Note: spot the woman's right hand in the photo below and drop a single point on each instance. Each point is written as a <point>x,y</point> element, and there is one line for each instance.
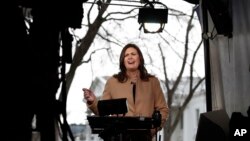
<point>88,95</point>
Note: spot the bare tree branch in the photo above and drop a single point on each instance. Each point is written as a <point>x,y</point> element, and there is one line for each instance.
<point>164,69</point>
<point>122,19</point>
<point>85,45</point>
<point>106,38</point>
<point>171,92</point>
<point>93,52</point>
<point>120,13</point>
<point>88,14</point>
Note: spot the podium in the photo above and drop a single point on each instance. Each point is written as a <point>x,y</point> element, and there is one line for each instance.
<point>121,128</point>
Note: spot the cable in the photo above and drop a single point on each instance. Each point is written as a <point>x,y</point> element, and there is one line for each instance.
<point>116,4</point>
<point>128,1</point>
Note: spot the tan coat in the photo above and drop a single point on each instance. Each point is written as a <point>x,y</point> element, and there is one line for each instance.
<point>149,96</point>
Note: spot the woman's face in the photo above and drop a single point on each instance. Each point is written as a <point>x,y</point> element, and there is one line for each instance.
<point>131,59</point>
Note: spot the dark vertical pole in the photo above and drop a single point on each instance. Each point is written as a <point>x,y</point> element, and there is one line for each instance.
<point>206,57</point>
<point>66,58</point>
<point>64,100</point>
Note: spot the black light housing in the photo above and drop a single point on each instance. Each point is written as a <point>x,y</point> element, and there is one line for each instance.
<point>150,14</point>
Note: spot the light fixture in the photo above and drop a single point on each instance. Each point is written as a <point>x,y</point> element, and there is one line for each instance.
<point>153,17</point>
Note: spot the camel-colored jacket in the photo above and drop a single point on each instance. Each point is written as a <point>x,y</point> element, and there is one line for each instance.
<point>149,96</point>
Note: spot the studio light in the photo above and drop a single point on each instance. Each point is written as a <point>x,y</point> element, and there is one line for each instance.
<point>153,17</point>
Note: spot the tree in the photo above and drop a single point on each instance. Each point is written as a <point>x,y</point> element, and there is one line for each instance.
<point>93,31</point>
<point>86,42</point>
<point>172,123</point>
